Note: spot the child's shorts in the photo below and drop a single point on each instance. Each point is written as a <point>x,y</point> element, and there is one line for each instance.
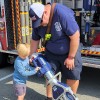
<point>20,89</point>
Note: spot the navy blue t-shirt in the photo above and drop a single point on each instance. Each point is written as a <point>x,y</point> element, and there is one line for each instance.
<point>63,26</point>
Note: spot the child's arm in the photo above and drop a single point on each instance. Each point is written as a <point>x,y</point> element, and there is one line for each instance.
<point>26,71</point>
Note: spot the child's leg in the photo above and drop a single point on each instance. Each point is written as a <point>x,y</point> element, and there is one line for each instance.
<point>21,97</point>
<point>20,91</point>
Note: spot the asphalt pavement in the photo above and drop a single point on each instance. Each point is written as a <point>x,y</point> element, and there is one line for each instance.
<point>89,88</point>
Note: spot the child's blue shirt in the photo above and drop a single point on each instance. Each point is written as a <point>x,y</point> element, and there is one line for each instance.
<point>22,70</point>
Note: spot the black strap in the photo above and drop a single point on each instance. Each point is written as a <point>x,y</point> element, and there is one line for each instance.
<point>50,19</point>
<point>49,24</point>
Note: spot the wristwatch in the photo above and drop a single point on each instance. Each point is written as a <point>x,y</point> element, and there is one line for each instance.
<point>71,57</point>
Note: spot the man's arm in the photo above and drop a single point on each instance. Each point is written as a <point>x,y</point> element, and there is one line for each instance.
<point>74,43</point>
<point>34,46</point>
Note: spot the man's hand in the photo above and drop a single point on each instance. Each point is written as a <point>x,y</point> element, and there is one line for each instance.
<point>30,61</point>
<point>69,63</point>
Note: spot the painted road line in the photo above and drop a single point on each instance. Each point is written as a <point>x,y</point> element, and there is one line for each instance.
<point>1,79</point>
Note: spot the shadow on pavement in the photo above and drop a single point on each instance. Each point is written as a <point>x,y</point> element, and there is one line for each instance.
<point>89,86</point>
<point>90,82</point>
<point>7,91</point>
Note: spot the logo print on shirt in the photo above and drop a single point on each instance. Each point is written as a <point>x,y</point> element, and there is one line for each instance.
<point>33,18</point>
<point>58,26</point>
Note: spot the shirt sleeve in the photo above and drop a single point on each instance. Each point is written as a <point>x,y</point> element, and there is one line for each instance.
<point>35,36</point>
<point>25,70</point>
<point>68,22</point>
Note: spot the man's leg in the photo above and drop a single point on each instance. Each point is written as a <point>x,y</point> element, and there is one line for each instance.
<point>73,84</point>
<point>48,92</point>
<point>73,76</point>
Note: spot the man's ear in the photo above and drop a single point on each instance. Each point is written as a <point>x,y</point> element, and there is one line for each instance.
<point>45,13</point>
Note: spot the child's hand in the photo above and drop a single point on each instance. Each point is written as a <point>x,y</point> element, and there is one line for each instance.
<point>37,68</point>
<point>30,62</point>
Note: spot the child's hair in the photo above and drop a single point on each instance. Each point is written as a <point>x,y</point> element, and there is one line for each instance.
<point>27,45</point>
<point>23,49</point>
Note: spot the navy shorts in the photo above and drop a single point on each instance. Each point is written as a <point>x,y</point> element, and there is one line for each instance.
<point>57,63</point>
<point>20,89</point>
